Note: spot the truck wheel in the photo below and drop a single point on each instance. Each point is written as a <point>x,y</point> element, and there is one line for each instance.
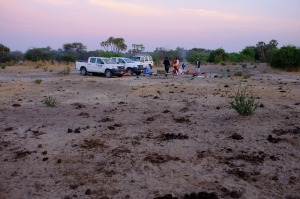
<point>83,71</point>
<point>108,73</point>
<point>130,71</point>
<point>138,73</point>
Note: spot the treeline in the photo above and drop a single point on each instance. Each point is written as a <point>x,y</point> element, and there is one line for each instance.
<point>286,57</point>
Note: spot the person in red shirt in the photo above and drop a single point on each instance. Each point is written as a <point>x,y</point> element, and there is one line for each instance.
<point>176,66</point>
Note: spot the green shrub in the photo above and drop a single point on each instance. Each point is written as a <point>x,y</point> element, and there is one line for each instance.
<point>3,66</point>
<point>50,101</point>
<point>238,74</point>
<point>67,70</point>
<point>244,102</point>
<point>38,81</point>
<point>246,76</point>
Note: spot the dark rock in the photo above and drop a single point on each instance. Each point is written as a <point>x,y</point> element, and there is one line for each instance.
<point>77,130</point>
<point>70,130</point>
<point>111,128</point>
<point>16,105</point>
<point>273,140</point>
<point>236,136</point>
<point>88,192</point>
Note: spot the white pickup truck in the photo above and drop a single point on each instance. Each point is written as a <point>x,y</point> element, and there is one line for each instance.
<point>100,65</point>
<point>131,67</point>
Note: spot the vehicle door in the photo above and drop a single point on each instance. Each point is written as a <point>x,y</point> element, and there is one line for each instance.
<point>121,62</point>
<point>100,65</point>
<point>92,65</point>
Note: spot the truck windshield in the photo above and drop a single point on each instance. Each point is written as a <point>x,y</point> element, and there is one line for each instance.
<point>128,60</point>
<point>135,58</point>
<point>109,61</point>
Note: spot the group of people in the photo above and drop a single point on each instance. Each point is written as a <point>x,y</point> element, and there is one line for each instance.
<point>176,67</point>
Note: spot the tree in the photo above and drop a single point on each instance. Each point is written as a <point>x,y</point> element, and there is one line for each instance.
<point>197,53</point>
<point>218,56</point>
<point>67,59</point>
<point>3,52</point>
<point>287,57</point>
<point>249,53</point>
<point>15,56</point>
<point>36,54</point>
<point>137,48</point>
<point>75,47</point>
<point>264,51</point>
<point>114,44</point>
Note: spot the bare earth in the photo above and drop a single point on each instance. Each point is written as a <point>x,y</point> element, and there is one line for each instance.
<point>146,138</point>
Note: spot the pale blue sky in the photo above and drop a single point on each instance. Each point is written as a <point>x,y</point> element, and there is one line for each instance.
<point>209,24</point>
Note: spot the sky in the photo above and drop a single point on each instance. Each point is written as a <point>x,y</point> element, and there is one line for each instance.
<point>209,24</point>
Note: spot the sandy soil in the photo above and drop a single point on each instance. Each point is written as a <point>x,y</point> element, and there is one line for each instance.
<point>148,138</point>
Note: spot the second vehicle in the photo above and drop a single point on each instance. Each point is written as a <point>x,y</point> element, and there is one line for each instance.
<point>131,67</point>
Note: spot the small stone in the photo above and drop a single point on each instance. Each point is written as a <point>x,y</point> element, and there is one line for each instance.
<point>77,130</point>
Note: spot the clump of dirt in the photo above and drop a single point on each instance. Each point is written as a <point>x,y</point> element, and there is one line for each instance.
<point>21,154</point>
<point>167,196</point>
<point>78,105</point>
<point>201,195</point>
<point>107,119</point>
<point>91,144</point>
<point>231,193</point>
<point>156,158</point>
<point>172,136</point>
<point>252,158</point>
<point>295,131</point>
<point>150,119</point>
<point>119,151</point>
<point>37,133</point>
<point>182,120</point>
<point>84,114</point>
<point>236,136</point>
<point>8,129</point>
<point>273,139</point>
<point>247,176</point>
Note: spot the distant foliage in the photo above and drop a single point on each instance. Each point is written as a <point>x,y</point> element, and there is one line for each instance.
<point>263,51</point>
<point>3,52</point>
<point>68,58</point>
<point>38,54</point>
<point>287,58</point>
<point>110,54</point>
<point>217,56</point>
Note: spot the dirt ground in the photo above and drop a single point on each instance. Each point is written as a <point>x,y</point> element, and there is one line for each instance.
<point>148,137</point>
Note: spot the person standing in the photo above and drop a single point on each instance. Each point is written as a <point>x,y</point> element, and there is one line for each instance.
<point>176,66</point>
<point>167,65</point>
<point>197,66</point>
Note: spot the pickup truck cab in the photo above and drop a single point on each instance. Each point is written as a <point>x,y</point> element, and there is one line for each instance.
<point>100,65</point>
<point>131,67</point>
<point>146,60</point>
